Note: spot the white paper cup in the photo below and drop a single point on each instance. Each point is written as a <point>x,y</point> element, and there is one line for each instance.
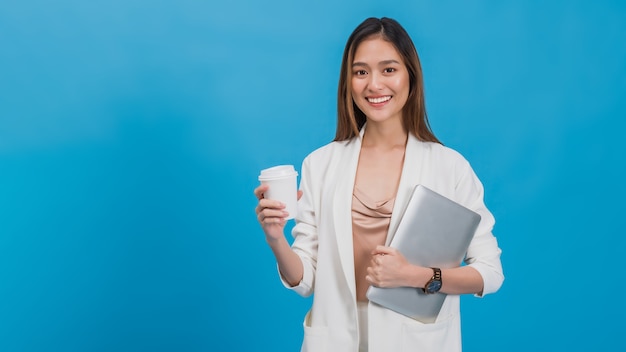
<point>283,186</point>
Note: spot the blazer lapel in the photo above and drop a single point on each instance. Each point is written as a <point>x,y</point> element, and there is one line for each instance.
<point>411,175</point>
<point>342,209</point>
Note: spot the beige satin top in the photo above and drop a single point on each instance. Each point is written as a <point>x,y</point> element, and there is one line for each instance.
<point>370,223</point>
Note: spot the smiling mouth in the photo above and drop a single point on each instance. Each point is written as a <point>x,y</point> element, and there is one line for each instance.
<point>379,100</point>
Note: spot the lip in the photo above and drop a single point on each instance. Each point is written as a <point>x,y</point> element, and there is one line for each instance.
<point>378,100</point>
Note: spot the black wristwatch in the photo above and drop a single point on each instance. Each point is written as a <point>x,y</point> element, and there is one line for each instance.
<point>434,284</point>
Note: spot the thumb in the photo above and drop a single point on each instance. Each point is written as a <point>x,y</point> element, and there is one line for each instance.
<point>383,250</point>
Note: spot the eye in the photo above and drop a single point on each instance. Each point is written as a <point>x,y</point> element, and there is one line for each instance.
<point>389,70</point>
<point>360,73</point>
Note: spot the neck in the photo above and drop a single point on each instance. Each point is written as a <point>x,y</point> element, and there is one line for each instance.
<point>384,135</point>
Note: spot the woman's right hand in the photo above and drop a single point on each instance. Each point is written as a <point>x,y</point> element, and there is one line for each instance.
<point>271,214</point>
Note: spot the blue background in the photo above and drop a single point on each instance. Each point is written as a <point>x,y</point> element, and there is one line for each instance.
<point>132,133</point>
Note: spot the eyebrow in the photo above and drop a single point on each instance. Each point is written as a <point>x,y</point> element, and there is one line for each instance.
<point>382,63</point>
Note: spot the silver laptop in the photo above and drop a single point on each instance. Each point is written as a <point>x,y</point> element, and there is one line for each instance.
<point>435,232</point>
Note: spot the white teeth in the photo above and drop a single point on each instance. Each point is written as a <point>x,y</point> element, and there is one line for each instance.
<point>378,100</point>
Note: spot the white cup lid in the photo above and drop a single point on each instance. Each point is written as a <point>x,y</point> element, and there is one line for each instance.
<point>279,171</point>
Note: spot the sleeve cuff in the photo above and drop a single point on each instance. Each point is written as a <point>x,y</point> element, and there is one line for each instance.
<point>492,279</point>
<point>303,288</point>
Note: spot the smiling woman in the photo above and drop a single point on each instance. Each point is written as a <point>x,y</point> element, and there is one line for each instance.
<point>400,55</point>
<point>353,191</point>
<point>380,81</point>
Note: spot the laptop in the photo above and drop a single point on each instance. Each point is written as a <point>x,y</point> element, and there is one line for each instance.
<point>434,231</point>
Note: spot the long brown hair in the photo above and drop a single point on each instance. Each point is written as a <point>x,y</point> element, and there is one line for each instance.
<point>350,119</point>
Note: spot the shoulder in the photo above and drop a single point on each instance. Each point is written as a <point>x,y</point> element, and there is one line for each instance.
<point>326,152</point>
<point>441,163</point>
<point>442,154</point>
<point>327,160</point>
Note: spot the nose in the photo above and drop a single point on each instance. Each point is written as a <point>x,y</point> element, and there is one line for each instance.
<point>376,81</point>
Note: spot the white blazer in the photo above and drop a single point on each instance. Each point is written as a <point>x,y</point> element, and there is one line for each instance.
<point>323,240</point>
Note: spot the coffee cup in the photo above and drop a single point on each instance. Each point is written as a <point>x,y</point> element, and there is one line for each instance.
<point>283,187</point>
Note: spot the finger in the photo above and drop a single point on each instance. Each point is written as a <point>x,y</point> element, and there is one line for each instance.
<point>259,191</point>
<point>373,281</point>
<point>271,204</point>
<point>271,220</point>
<point>268,213</point>
<point>379,259</point>
<point>300,194</point>
<point>371,275</point>
<point>274,221</point>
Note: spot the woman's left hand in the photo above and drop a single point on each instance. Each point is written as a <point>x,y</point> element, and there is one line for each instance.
<point>388,268</point>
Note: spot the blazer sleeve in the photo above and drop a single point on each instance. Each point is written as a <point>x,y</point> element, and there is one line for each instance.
<point>305,239</point>
<point>483,253</point>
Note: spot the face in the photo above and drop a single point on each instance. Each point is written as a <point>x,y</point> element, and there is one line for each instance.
<point>380,81</point>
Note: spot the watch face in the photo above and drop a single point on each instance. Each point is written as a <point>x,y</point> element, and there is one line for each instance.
<point>433,286</point>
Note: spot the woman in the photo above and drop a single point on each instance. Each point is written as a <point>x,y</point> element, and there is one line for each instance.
<point>351,194</point>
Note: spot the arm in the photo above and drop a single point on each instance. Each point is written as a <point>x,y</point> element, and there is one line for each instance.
<point>483,272</point>
<point>271,216</point>
<point>296,265</point>
<point>389,268</point>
